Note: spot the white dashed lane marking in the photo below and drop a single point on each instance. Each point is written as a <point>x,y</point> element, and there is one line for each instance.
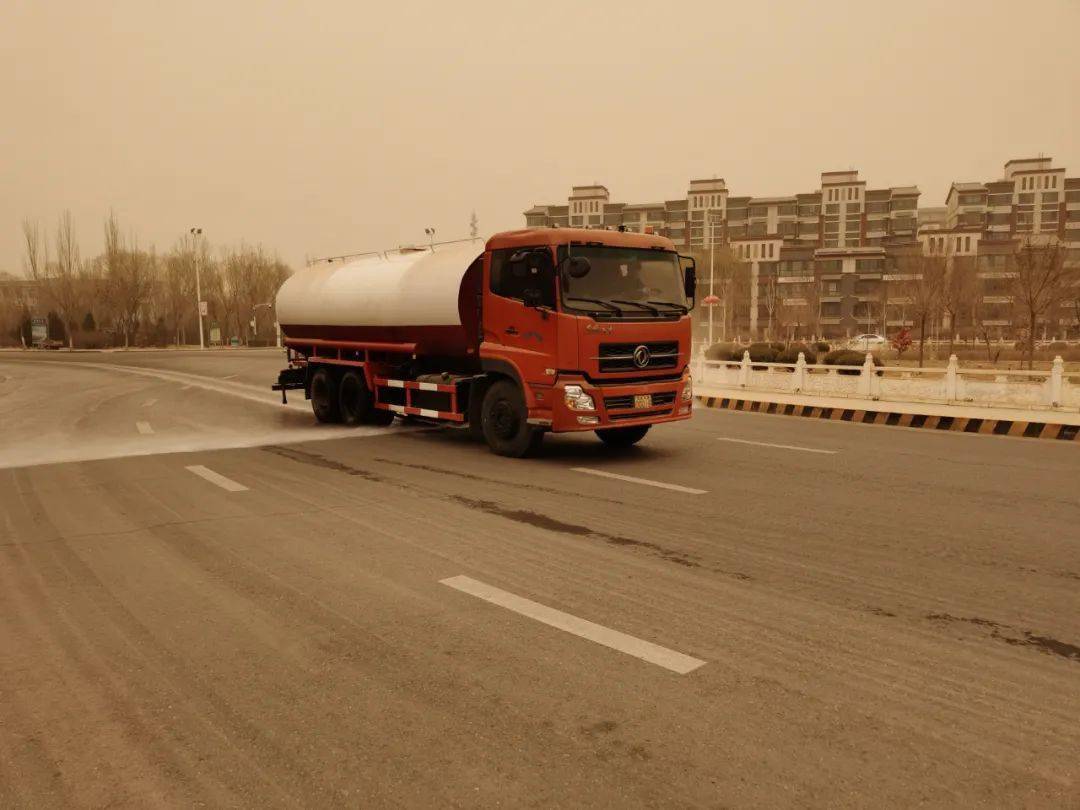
<point>778,446</point>
<point>631,480</point>
<point>639,648</point>
<point>150,403</point>
<point>216,478</point>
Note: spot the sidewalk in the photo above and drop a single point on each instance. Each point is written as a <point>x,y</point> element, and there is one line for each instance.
<point>1029,423</point>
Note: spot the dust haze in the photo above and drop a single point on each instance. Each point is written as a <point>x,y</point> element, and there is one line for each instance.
<point>337,127</point>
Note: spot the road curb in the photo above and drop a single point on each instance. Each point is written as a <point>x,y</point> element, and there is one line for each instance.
<point>955,424</point>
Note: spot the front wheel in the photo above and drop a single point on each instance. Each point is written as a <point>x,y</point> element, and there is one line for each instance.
<point>504,421</point>
<point>623,437</point>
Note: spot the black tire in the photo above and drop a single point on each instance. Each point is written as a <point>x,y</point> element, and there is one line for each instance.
<point>380,418</point>
<point>623,437</point>
<point>476,411</point>
<point>324,396</point>
<point>504,421</point>
<point>354,399</point>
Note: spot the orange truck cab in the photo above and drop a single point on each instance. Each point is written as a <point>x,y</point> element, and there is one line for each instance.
<point>556,329</point>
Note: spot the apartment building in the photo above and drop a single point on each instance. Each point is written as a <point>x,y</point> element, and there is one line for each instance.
<point>982,223</point>
<point>804,255</point>
<point>831,261</point>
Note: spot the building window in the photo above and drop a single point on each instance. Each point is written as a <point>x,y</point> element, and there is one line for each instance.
<point>967,244</point>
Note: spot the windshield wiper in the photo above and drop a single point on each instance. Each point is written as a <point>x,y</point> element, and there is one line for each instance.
<point>651,309</point>
<point>677,306</point>
<point>602,303</point>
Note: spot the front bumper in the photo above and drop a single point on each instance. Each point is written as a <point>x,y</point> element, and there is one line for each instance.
<point>618,405</point>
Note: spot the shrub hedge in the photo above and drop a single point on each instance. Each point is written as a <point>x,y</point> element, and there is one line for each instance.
<point>849,357</point>
<point>791,354</point>
<point>763,352</point>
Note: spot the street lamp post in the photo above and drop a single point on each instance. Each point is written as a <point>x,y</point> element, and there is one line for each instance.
<point>255,317</point>
<point>712,271</point>
<point>195,234</point>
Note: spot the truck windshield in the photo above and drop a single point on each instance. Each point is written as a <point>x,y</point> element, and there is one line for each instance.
<point>628,280</point>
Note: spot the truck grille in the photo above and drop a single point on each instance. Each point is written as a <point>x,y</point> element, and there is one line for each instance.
<point>628,357</point>
<point>627,401</point>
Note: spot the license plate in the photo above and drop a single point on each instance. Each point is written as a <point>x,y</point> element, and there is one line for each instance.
<point>643,400</point>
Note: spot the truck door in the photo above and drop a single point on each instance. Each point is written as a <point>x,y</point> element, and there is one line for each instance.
<point>519,314</point>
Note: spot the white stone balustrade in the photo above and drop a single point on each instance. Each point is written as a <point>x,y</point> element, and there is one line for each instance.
<point>1054,389</point>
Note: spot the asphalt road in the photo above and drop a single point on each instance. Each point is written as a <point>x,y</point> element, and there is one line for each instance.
<point>818,614</point>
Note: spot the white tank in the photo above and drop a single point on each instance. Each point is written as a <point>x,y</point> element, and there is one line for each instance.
<point>416,296</point>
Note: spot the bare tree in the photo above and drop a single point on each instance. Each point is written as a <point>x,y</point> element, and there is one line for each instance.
<point>1042,282</point>
<point>922,284</point>
<point>769,295</point>
<point>178,287</point>
<point>250,280</point>
<point>129,279</point>
<point>58,281</point>
<point>37,249</point>
<point>730,283</point>
<point>958,294</point>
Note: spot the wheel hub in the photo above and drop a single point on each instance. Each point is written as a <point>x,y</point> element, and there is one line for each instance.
<point>504,419</point>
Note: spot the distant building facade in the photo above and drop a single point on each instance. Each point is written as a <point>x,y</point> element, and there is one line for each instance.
<point>829,261</point>
<point>19,292</point>
<point>982,223</point>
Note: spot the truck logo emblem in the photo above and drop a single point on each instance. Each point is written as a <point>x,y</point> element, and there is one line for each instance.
<point>593,327</point>
<point>642,356</point>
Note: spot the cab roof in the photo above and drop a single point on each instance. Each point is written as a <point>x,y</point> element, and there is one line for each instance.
<point>532,237</point>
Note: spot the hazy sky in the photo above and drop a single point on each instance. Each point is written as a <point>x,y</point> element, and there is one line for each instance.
<point>314,128</point>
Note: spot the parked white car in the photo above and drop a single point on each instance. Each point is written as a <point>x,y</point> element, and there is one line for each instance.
<point>868,343</point>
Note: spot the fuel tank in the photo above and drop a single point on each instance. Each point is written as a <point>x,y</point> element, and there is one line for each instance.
<point>426,296</point>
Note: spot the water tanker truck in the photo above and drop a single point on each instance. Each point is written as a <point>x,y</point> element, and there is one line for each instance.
<point>555,329</point>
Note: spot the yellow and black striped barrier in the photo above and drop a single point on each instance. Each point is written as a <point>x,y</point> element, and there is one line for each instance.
<point>956,424</point>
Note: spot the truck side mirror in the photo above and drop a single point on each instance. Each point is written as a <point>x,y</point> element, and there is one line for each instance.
<point>578,267</point>
<point>689,279</point>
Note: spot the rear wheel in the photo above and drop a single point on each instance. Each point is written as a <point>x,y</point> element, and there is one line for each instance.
<point>623,437</point>
<point>354,399</point>
<point>504,421</point>
<point>324,398</point>
<point>380,418</point>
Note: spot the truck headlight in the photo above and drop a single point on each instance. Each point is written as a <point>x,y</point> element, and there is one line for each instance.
<point>688,390</point>
<point>577,400</point>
